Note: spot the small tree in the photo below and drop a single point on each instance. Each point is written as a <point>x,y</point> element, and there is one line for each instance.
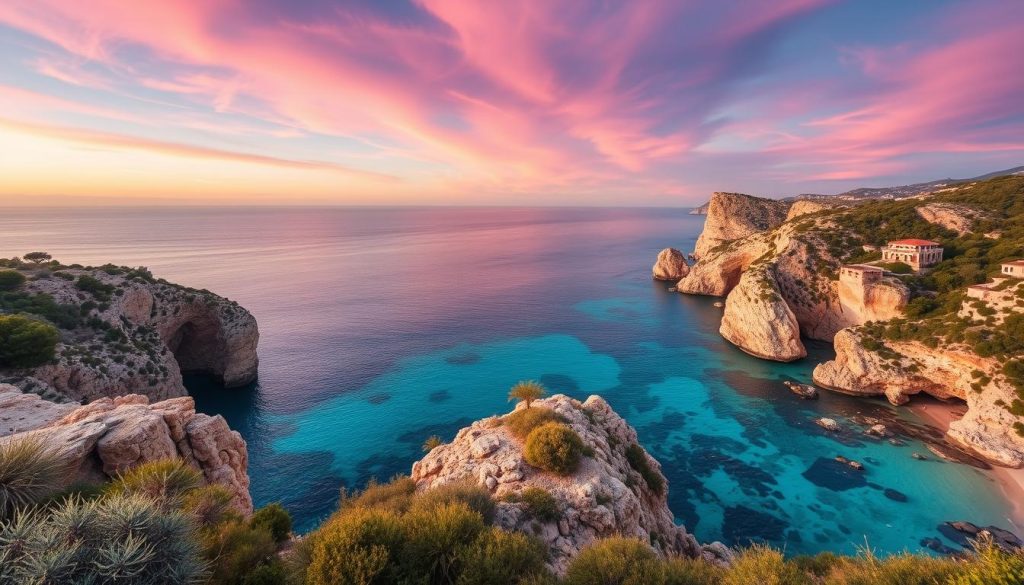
<point>432,443</point>
<point>527,391</point>
<point>37,257</point>
<point>11,279</point>
<point>25,342</point>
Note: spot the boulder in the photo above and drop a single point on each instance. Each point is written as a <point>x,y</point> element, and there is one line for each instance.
<point>671,265</point>
<point>758,320</point>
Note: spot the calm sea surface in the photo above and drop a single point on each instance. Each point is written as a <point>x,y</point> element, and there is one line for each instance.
<point>381,327</point>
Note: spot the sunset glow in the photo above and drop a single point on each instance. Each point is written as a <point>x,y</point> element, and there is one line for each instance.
<point>531,102</point>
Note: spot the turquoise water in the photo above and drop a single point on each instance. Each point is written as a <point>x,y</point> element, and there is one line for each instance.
<point>381,327</point>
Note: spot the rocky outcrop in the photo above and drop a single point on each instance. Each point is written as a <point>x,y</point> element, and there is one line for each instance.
<point>808,206</point>
<point>909,368</point>
<point>20,411</point>
<point>109,436</point>
<point>671,265</point>
<point>758,320</point>
<point>605,496</point>
<point>700,209</point>
<point>958,218</point>
<point>872,301</point>
<point>732,216</point>
<point>137,334</point>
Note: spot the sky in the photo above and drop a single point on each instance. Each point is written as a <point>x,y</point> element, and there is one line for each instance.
<point>529,102</point>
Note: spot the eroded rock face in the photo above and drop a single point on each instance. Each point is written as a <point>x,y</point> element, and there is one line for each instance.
<point>109,436</point>
<point>671,265</point>
<point>140,339</point>
<point>808,206</point>
<point>732,216</point>
<point>758,320</point>
<point>20,411</point>
<point>943,372</point>
<point>958,218</point>
<point>604,497</point>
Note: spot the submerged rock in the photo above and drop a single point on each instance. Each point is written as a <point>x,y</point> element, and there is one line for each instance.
<point>805,391</point>
<point>828,424</point>
<point>605,496</point>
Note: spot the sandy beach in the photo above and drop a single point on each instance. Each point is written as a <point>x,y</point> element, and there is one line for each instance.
<point>1011,481</point>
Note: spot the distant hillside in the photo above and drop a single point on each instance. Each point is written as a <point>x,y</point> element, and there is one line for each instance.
<point>904,191</point>
<point>700,209</point>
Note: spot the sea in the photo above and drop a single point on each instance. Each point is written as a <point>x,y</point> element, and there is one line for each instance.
<point>380,327</point>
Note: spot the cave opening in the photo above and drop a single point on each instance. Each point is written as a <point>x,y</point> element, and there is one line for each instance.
<point>199,349</point>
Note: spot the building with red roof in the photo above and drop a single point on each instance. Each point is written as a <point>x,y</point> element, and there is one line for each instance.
<point>918,254</point>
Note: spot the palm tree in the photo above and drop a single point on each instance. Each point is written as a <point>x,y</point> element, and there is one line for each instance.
<point>527,391</point>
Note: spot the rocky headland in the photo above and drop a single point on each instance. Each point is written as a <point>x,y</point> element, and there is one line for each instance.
<point>607,495</point>
<point>783,270</point>
<point>122,331</point>
<point>110,435</point>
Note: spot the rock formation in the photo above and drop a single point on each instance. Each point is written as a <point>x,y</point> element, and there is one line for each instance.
<point>958,218</point>
<point>808,206</point>
<point>671,265</point>
<point>700,209</point>
<point>605,496</point>
<point>732,216</point>
<point>758,321</point>
<point>109,436</point>
<point>138,334</point>
<point>943,372</point>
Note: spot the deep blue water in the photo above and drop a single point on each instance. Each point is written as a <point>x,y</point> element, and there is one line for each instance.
<point>381,327</point>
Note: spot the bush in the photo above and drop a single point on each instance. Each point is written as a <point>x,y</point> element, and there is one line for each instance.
<point>432,442</point>
<point>25,342</point>
<point>522,421</point>
<point>95,287</point>
<point>765,565</point>
<point>901,569</point>
<point>123,539</point>
<point>235,548</point>
<point>361,546</point>
<point>272,573</point>
<point>554,447</point>
<point>166,481</point>
<point>501,558</point>
<point>539,503</point>
<point>684,571</point>
<point>435,539</point>
<point>395,495</point>
<point>29,472</point>
<point>275,519</point>
<point>11,279</point>
<point>991,566</point>
<point>475,497</point>
<point>616,561</point>
<point>638,460</point>
<point>37,257</point>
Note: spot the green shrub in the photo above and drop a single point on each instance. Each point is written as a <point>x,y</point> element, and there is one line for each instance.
<point>435,539</point>
<point>764,565</point>
<point>637,458</point>
<point>497,557</point>
<point>477,498</point>
<point>11,279</point>
<point>235,548</point>
<point>166,481</point>
<point>37,257</point>
<point>123,538</point>
<point>538,502</point>
<point>527,391</point>
<point>29,472</point>
<point>270,573</point>
<point>210,505</point>
<point>991,566</point>
<point>900,569</point>
<point>95,287</point>
<point>25,342</point>
<point>554,447</point>
<point>522,421</point>
<point>395,495</point>
<point>684,571</point>
<point>361,546</point>
<point>275,519</point>
<point>616,561</point>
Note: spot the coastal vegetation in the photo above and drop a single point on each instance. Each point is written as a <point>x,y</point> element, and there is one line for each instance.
<point>26,342</point>
<point>554,447</point>
<point>527,391</point>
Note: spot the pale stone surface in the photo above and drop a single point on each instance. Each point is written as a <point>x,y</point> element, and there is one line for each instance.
<point>20,411</point>
<point>808,206</point>
<point>671,265</point>
<point>108,436</point>
<point>732,216</point>
<point>758,321</point>
<point>954,217</point>
<point>604,497</point>
<point>943,372</point>
<point>166,329</point>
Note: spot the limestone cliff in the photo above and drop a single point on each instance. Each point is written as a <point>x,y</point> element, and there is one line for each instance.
<point>605,496</point>
<point>732,216</point>
<point>108,436</point>
<point>671,265</point>
<point>122,332</point>
<point>808,206</point>
<point>899,370</point>
<point>758,321</point>
<point>958,218</point>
